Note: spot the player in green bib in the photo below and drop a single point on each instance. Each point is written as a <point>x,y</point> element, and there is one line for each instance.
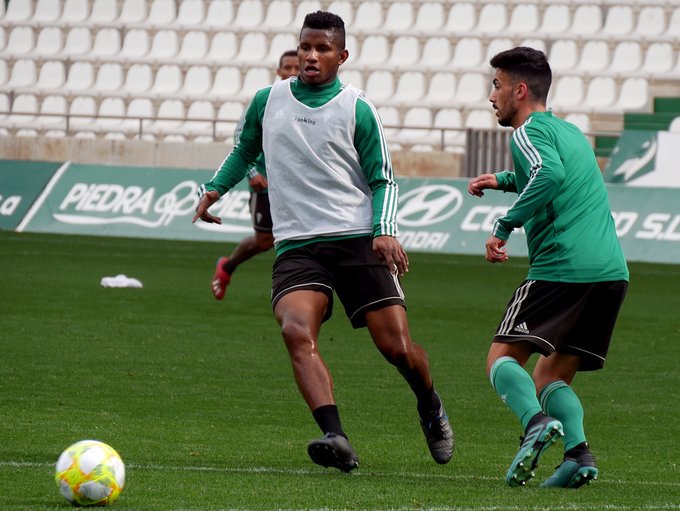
<point>333,201</point>
<point>578,277</point>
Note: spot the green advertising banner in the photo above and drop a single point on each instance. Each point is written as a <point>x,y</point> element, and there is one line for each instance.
<point>21,183</point>
<point>435,215</point>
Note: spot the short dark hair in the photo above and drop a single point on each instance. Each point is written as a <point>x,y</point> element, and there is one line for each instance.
<point>528,65</point>
<point>322,20</point>
<point>289,53</point>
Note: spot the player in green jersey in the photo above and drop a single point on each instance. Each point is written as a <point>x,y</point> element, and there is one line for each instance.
<point>334,202</point>
<point>263,239</point>
<point>578,277</point>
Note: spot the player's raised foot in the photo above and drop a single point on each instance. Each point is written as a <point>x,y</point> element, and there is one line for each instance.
<point>541,432</point>
<point>333,451</point>
<point>577,469</point>
<point>220,279</point>
<point>438,434</point>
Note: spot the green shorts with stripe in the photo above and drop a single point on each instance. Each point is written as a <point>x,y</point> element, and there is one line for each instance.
<point>573,318</point>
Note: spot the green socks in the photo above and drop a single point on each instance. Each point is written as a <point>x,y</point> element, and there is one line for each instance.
<point>559,401</point>
<point>516,388</point>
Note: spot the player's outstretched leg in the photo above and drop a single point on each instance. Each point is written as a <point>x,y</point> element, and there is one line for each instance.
<point>541,432</point>
<point>577,469</point>
<point>221,279</point>
<point>333,451</point>
<point>438,433</point>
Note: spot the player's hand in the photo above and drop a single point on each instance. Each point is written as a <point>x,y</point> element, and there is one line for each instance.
<point>479,183</point>
<point>389,251</point>
<point>207,200</point>
<point>496,251</point>
<point>258,183</point>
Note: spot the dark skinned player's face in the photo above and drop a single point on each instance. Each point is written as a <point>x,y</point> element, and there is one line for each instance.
<point>319,56</point>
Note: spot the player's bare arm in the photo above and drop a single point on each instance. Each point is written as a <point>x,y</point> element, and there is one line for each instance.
<point>496,251</point>
<point>207,200</point>
<point>483,182</point>
<point>390,251</point>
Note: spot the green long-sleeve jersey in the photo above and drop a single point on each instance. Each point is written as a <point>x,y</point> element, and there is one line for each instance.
<point>369,142</point>
<point>562,204</point>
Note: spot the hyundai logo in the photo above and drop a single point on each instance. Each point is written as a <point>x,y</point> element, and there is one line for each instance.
<point>428,205</point>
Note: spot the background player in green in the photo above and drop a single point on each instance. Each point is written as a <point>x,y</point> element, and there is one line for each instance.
<point>334,203</point>
<point>578,277</point>
<point>263,239</point>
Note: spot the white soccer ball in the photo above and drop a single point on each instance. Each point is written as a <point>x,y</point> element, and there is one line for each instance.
<point>89,473</point>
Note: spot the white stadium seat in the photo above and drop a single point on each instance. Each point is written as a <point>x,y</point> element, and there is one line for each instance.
<point>594,56</point>
<point>410,87</point>
<point>467,54</point>
<point>462,17</point>
<point>556,19</point>
<point>436,52</point>
<point>168,79</point>
<point>21,41</point>
<point>220,13</point>
<point>46,11</point>
<point>78,41</point>
<point>194,45</point>
<point>279,14</point>
<point>75,11</point>
<point>492,18</point>
<point>190,14</point>
<point>80,76</point>
<point>106,43</point>
<point>368,16</point>
<point>50,41</point>
<point>431,16</point>
<point>103,11</point>
<point>138,79</point>
<point>619,20</point>
<point>197,81</point>
<point>250,13</point>
<point>18,10</point>
<point>399,16</point>
<point>52,75</point>
<point>109,77</point>
<point>627,57</point>
<point>133,11</point>
<point>405,51</point>
<point>162,12</point>
<point>165,45</point>
<point>23,73</point>
<point>380,85</point>
<point>136,44</point>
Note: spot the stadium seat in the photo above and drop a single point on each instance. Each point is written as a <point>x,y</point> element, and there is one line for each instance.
<point>194,46</point>
<point>380,86</point>
<point>496,46</point>
<point>223,47</point>
<point>52,104</point>
<point>303,9</point>
<point>619,20</point>
<point>399,16</point>
<point>352,76</point>
<point>109,77</point>
<point>18,10</point>
<point>627,57</point>
<point>165,45</point>
<point>343,8</point>
<point>405,51</point>
<point>190,14</point>
<point>594,56</point>
<point>82,110</point>
<point>138,79</point>
<point>23,74</point>
<point>21,41</point>
<point>198,110</point>
<point>138,116</point>
<point>133,11</point>
<point>169,116</point>
<point>52,75</point>
<point>50,41</point>
<point>442,88</point>
<point>230,112</point>
<point>467,54</point>
<point>472,88</point>
<point>136,44</point>
<point>255,78</point>
<point>168,79</point>
<point>567,93</point>
<point>581,120</point>
<point>524,18</point>
<point>80,77</point>
<point>46,11</point>
<point>281,43</point>
<point>106,43</point>
<point>162,12</point>
<point>368,16</point>
<point>658,58</point>
<point>103,11</point>
<point>410,87</point>
<point>110,107</point>
<point>197,81</point>
<point>279,14</point>
<point>462,17</point>
<point>375,50</point>
<point>254,48</point>
<point>436,52</point>
<point>430,16</point>
<point>78,41</point>
<point>633,95</point>
<point>227,82</point>
<point>563,55</point>
<point>651,21</point>
<point>4,74</point>
<point>493,18</point>
<point>24,110</point>
<point>556,19</point>
<point>250,14</point>
<point>448,123</point>
<point>601,93</point>
<point>219,13</point>
<point>389,116</point>
<point>480,119</point>
<point>538,44</point>
<point>587,20</point>
<point>417,127</point>
<point>673,29</point>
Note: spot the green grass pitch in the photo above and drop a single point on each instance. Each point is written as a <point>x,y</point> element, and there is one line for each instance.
<point>198,396</point>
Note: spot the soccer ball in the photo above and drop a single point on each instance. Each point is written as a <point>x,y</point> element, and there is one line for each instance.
<point>90,472</point>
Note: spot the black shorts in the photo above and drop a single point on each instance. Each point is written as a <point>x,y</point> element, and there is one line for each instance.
<point>261,214</point>
<point>574,318</point>
<point>348,266</point>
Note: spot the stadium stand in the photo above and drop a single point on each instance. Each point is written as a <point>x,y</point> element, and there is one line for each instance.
<point>154,69</point>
